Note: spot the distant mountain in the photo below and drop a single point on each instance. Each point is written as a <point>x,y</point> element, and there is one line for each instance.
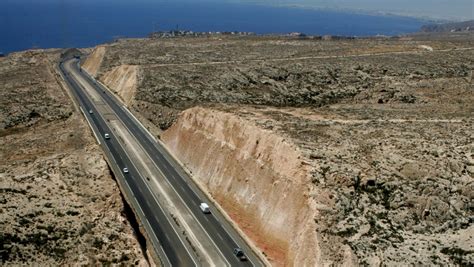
<point>449,27</point>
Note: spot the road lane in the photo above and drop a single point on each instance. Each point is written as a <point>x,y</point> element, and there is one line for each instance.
<point>217,228</point>
<point>228,242</point>
<point>161,228</point>
<point>171,200</point>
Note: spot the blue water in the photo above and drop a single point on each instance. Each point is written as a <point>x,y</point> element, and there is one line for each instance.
<point>26,24</point>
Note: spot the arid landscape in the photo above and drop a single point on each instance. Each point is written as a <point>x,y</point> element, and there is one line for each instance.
<point>59,204</point>
<point>323,151</point>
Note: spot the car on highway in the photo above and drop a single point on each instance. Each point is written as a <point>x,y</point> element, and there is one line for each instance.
<point>204,208</point>
<point>90,111</point>
<point>240,254</point>
<point>107,136</point>
<point>125,170</point>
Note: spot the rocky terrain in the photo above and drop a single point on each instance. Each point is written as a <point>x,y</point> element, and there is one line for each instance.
<point>59,204</point>
<point>322,151</point>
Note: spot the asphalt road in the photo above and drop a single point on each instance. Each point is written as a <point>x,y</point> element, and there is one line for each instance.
<point>173,247</point>
<point>222,234</point>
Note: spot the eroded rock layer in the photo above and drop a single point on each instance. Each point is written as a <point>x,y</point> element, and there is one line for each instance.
<point>325,152</point>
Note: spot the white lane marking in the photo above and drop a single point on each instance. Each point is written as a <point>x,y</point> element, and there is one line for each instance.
<point>192,214</point>
<point>130,190</point>
<point>90,125</point>
<point>90,91</point>
<point>184,204</point>
<point>139,123</point>
<point>164,165</point>
<point>166,258</point>
<point>171,186</point>
<point>148,223</point>
<point>156,200</point>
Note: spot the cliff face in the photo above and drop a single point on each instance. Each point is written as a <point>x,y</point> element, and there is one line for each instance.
<point>321,188</point>
<point>123,81</point>
<point>94,60</point>
<point>59,204</point>
<point>258,177</point>
<point>339,152</point>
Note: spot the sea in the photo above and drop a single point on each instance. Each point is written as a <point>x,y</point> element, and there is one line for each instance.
<point>26,24</point>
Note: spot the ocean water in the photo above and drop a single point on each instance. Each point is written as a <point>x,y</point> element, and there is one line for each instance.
<point>28,24</point>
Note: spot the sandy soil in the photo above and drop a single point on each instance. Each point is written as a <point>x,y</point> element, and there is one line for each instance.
<point>59,204</point>
<point>382,130</point>
<point>123,80</point>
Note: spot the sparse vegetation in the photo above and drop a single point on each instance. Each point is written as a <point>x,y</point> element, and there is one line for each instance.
<point>388,136</point>
<point>45,149</point>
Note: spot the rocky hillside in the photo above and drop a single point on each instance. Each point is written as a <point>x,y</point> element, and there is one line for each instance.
<point>59,204</point>
<point>381,130</point>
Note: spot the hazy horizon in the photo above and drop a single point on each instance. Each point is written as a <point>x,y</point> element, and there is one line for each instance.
<point>433,9</point>
<point>454,10</point>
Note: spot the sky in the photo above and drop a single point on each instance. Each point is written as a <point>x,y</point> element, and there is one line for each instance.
<point>434,9</point>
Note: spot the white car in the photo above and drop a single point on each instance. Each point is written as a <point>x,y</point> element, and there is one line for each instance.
<point>90,111</point>
<point>204,208</point>
<point>106,136</point>
<point>125,170</point>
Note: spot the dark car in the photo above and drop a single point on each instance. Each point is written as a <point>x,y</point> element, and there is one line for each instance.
<point>240,254</point>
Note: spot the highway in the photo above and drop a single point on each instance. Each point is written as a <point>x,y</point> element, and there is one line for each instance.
<point>165,196</point>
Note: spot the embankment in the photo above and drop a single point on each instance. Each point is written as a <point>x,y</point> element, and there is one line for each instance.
<point>94,61</point>
<point>255,175</point>
<point>123,81</point>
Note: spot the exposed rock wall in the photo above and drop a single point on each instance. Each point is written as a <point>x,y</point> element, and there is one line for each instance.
<point>123,81</point>
<point>257,176</point>
<point>94,60</point>
<point>385,125</point>
<point>373,198</point>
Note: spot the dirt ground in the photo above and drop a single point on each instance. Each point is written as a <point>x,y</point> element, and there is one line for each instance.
<point>385,124</point>
<point>59,204</point>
